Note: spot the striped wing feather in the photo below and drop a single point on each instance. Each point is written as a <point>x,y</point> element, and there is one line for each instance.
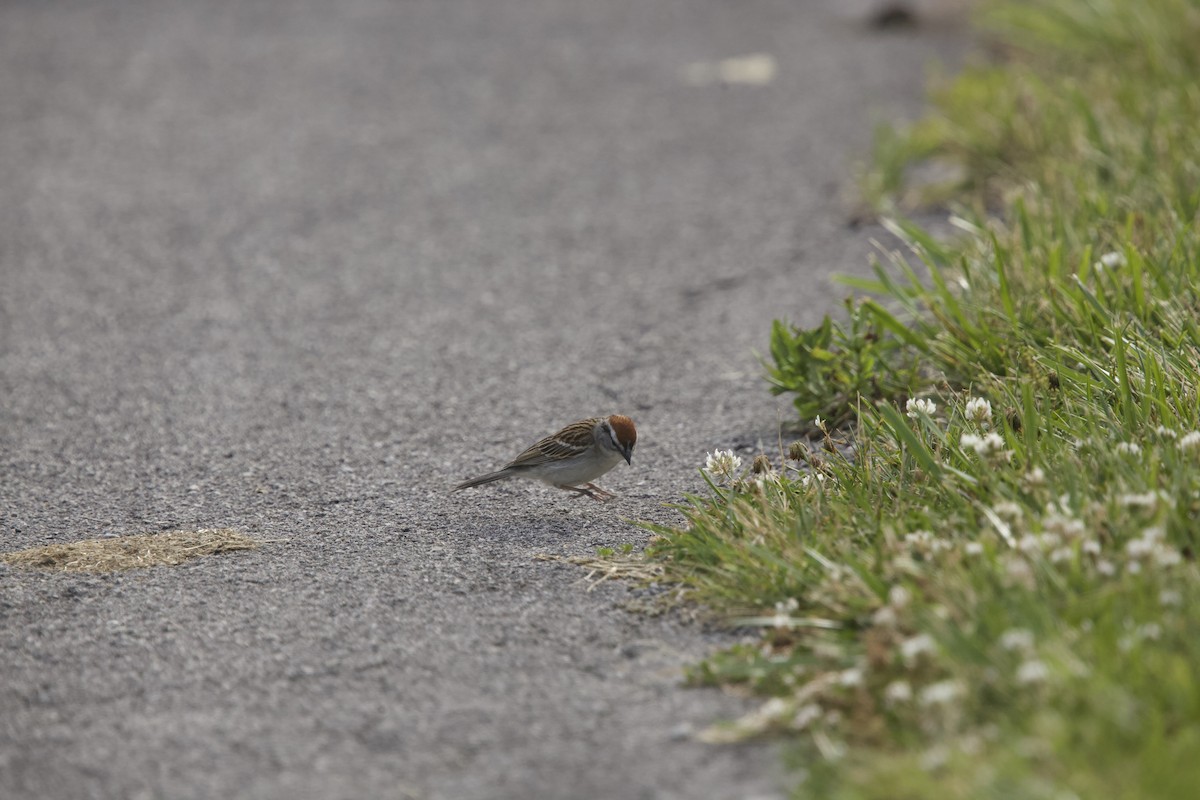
<point>570,441</point>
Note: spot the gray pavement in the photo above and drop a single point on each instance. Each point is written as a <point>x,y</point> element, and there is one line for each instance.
<point>296,268</point>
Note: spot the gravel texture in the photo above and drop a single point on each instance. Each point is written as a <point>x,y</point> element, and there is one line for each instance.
<point>295,268</point>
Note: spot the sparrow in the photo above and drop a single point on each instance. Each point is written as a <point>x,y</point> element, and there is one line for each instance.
<point>572,458</point>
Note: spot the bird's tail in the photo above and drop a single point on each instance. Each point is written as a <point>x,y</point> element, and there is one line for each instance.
<point>491,477</point>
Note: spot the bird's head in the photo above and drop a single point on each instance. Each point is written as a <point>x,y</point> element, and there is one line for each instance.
<point>622,434</point>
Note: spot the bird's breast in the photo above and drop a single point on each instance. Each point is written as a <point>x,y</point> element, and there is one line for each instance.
<point>581,470</point>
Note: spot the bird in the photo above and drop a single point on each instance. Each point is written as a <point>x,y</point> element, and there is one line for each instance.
<point>572,458</point>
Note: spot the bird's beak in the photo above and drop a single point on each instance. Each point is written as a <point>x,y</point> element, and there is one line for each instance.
<point>628,453</point>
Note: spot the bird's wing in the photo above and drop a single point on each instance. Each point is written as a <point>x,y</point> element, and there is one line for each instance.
<point>570,441</point>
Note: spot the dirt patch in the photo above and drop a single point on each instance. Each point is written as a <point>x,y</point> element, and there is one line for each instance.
<point>130,552</point>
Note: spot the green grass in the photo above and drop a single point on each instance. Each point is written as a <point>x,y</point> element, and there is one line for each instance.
<point>993,600</point>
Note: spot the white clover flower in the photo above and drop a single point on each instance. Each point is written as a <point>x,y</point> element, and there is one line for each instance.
<point>1189,440</point>
<point>993,442</point>
<point>1139,548</point>
<point>1150,547</point>
<point>1167,557</point>
<point>885,617</point>
<point>812,478</point>
<point>897,692</point>
<point>1018,570</point>
<point>1009,510</point>
<point>787,606</point>
<point>1050,540</point>
<point>986,445</point>
<point>1032,671</point>
<point>851,677</point>
<point>979,410</point>
<point>1107,567</point>
<point>722,466</point>
<point>916,407</point>
<point>1035,478</point>
<point>1061,554</point>
<point>1029,543</point>
<point>1170,597</point>
<point>1143,500</point>
<point>973,548</point>
<point>913,648</point>
<point>940,693</point>
<point>898,597</point>
<point>1165,432</point>
<point>1091,547</point>
<point>1110,260</point>
<point>1017,639</point>
<point>1129,448</point>
<point>919,540</point>
<point>1064,525</point>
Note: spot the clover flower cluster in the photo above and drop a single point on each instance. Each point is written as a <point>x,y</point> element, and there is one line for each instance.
<point>988,445</point>
<point>979,410</point>
<point>918,407</point>
<point>723,466</point>
<point>1032,535</point>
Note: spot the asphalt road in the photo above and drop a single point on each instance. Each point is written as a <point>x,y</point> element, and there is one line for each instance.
<point>297,267</point>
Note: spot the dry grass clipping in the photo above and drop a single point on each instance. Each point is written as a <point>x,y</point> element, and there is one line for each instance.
<point>631,568</point>
<point>130,552</point>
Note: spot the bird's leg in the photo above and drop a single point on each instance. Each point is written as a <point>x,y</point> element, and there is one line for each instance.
<point>598,493</point>
<point>579,491</point>
<point>590,490</point>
